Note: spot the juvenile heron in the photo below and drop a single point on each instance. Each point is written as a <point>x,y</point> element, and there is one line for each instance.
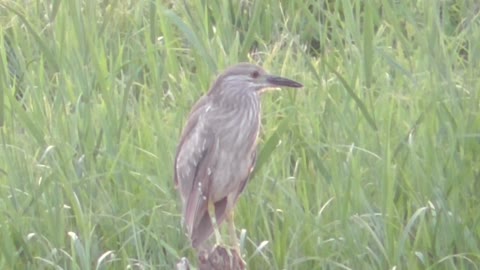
<point>217,149</point>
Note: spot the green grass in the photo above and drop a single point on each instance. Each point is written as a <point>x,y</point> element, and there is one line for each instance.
<point>375,164</point>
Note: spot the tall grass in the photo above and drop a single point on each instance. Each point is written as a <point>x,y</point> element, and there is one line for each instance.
<point>375,164</point>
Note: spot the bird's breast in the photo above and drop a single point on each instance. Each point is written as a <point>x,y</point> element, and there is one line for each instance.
<point>236,131</point>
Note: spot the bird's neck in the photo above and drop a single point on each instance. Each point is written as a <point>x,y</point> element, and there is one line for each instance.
<point>239,101</point>
<point>240,110</point>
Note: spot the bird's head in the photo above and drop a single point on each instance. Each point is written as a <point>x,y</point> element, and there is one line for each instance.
<point>249,77</point>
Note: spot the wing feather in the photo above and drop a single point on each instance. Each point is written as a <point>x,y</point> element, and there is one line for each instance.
<point>194,164</point>
<point>181,164</point>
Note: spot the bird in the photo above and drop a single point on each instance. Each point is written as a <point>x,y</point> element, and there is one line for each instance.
<point>217,150</point>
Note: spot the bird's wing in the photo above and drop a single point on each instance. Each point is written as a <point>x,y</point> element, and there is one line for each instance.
<point>193,167</point>
<point>186,136</point>
<point>196,208</point>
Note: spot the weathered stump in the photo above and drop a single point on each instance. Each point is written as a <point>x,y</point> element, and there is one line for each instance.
<point>219,258</point>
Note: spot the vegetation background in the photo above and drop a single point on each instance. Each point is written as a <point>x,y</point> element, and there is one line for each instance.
<point>375,164</point>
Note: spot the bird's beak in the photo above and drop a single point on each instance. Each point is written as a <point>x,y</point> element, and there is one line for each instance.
<point>276,81</point>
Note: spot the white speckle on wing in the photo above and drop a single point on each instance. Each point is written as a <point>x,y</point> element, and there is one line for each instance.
<point>208,108</point>
<point>209,171</point>
<point>204,198</point>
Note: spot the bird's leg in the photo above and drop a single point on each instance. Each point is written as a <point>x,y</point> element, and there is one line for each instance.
<point>213,219</point>
<point>234,240</point>
<point>233,233</point>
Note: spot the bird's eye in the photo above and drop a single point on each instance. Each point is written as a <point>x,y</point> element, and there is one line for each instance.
<point>255,74</point>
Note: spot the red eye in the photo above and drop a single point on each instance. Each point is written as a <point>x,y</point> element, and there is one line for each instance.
<point>255,74</point>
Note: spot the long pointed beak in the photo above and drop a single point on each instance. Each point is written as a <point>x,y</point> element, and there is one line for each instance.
<point>280,81</point>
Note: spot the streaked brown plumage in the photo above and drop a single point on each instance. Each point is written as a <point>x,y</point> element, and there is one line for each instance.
<point>217,148</point>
